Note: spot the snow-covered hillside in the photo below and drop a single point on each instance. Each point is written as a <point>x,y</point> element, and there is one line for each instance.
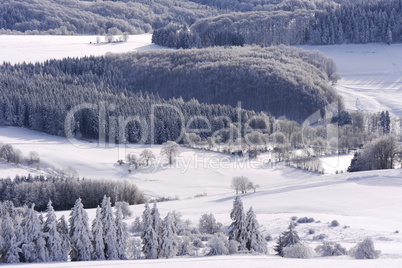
<point>365,204</point>
<point>371,75</point>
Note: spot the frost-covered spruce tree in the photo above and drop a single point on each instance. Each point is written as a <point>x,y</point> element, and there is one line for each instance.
<point>97,237</point>
<point>254,239</point>
<point>52,236</point>
<point>121,235</point>
<point>168,245</point>
<point>33,245</point>
<point>157,224</point>
<point>80,234</point>
<point>9,245</point>
<point>62,228</point>
<point>286,239</point>
<point>109,229</point>
<point>237,230</point>
<point>149,236</point>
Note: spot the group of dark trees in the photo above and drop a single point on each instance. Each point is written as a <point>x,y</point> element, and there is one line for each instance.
<point>276,80</point>
<point>292,23</point>
<point>28,237</point>
<point>38,190</point>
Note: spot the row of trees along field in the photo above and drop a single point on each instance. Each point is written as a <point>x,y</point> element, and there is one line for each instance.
<point>63,191</point>
<point>347,22</point>
<point>28,237</point>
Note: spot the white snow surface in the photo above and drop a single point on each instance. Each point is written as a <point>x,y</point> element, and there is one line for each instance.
<point>38,48</point>
<point>371,75</point>
<point>365,203</point>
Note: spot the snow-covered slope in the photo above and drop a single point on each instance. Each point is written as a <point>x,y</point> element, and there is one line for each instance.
<point>365,204</point>
<point>371,75</point>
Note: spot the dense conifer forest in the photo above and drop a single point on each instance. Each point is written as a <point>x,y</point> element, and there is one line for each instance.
<point>278,81</point>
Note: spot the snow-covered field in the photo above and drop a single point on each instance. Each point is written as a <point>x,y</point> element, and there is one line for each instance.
<point>371,75</point>
<point>365,204</point>
<point>37,48</point>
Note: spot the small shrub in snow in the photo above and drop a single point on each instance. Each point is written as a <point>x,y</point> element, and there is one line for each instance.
<point>311,231</point>
<point>365,250</point>
<point>218,245</point>
<point>297,251</point>
<point>305,220</point>
<point>185,247</point>
<point>320,237</point>
<point>334,223</point>
<point>397,231</point>
<point>268,238</point>
<point>198,243</point>
<point>330,249</point>
<point>294,218</point>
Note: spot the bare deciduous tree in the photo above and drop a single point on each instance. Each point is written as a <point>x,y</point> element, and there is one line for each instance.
<point>170,150</point>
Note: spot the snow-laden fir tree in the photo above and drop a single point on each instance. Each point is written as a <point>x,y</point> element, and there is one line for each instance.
<point>287,239</point>
<point>109,229</point>
<point>168,243</point>
<point>62,228</point>
<point>149,236</point>
<point>80,233</point>
<point>9,245</point>
<point>97,237</point>
<point>33,245</point>
<point>121,235</point>
<point>52,236</point>
<point>254,239</point>
<point>237,230</point>
<point>157,224</point>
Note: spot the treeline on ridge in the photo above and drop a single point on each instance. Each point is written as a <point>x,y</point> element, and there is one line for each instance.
<point>96,17</point>
<point>281,81</point>
<point>346,22</point>
<point>38,190</point>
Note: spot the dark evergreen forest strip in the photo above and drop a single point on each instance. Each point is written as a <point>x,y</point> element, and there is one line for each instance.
<point>63,192</point>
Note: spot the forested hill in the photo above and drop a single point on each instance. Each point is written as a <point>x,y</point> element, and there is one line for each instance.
<point>363,21</point>
<point>97,17</point>
<point>281,81</point>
